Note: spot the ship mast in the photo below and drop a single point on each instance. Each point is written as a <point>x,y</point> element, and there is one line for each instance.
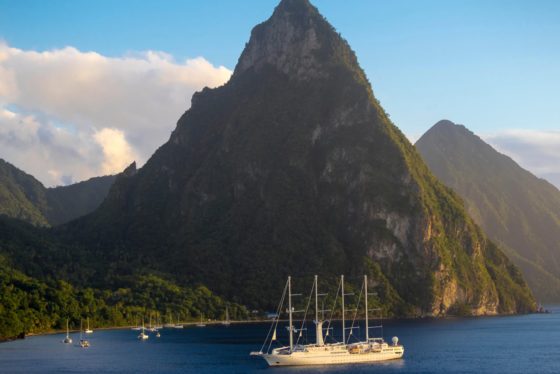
<point>290,312</point>
<point>343,321</point>
<point>316,303</point>
<point>366,308</point>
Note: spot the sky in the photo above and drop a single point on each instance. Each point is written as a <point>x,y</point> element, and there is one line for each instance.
<point>86,87</point>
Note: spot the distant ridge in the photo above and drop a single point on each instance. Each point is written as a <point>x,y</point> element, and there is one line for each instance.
<point>24,197</point>
<point>514,207</point>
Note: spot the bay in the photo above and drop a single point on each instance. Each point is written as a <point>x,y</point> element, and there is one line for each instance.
<point>512,344</point>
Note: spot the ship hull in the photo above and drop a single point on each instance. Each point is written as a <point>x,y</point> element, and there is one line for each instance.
<point>332,357</point>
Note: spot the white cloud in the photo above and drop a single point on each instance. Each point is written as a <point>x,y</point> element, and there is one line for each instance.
<point>52,154</point>
<point>116,151</point>
<point>79,114</point>
<point>535,150</point>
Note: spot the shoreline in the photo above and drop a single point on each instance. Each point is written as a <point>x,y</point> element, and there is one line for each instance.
<point>254,321</point>
<point>130,327</point>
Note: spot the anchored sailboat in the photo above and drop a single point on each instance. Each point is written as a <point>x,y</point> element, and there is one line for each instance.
<point>151,328</point>
<point>178,325</point>
<point>322,353</point>
<point>84,343</point>
<point>170,323</point>
<point>201,324</point>
<point>67,339</point>
<point>88,330</point>
<point>137,327</point>
<point>158,322</point>
<point>226,322</point>
<point>143,335</point>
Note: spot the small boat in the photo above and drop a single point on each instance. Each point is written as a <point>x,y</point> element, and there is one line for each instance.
<point>143,335</point>
<point>371,349</point>
<point>178,325</point>
<point>201,324</point>
<point>158,326</point>
<point>84,343</point>
<point>88,330</point>
<point>67,339</point>
<point>170,324</point>
<point>158,322</point>
<point>137,327</point>
<point>226,322</point>
<point>150,327</point>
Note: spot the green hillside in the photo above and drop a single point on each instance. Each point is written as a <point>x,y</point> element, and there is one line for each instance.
<point>516,209</point>
<point>42,284</point>
<point>24,197</point>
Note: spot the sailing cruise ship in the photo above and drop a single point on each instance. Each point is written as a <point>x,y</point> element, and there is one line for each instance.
<point>371,349</point>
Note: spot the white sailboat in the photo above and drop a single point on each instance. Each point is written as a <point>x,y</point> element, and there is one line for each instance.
<point>88,330</point>
<point>158,322</point>
<point>226,322</point>
<point>371,349</point>
<point>178,325</point>
<point>150,327</point>
<point>137,327</point>
<point>143,335</point>
<point>84,343</point>
<point>201,324</point>
<point>170,324</point>
<point>67,339</point>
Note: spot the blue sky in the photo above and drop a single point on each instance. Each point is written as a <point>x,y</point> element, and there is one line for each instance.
<point>491,65</point>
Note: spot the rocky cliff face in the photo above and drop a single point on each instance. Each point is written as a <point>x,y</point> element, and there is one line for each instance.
<point>293,167</point>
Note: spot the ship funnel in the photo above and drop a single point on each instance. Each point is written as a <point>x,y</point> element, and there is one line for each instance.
<point>319,333</point>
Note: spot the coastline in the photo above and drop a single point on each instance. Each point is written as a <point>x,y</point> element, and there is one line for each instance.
<point>255,321</point>
<point>128,327</point>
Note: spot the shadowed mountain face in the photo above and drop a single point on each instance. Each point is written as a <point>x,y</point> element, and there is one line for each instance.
<point>24,197</point>
<point>293,167</point>
<point>516,209</point>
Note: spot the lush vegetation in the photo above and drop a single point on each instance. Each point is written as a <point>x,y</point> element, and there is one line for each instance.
<point>516,209</point>
<point>24,197</point>
<point>28,305</point>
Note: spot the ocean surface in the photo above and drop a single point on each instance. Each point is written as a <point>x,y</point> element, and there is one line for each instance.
<point>514,344</point>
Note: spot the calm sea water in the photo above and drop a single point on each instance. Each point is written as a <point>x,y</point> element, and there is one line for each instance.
<point>518,344</point>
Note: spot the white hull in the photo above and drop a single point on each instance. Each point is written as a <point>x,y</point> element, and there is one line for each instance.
<point>332,355</point>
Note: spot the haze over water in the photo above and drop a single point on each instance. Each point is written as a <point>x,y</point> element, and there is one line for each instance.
<point>515,344</point>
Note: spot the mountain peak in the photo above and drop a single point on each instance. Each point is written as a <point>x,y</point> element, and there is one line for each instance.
<point>444,123</point>
<point>446,127</point>
<point>295,7</point>
<point>296,40</point>
<point>130,170</point>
